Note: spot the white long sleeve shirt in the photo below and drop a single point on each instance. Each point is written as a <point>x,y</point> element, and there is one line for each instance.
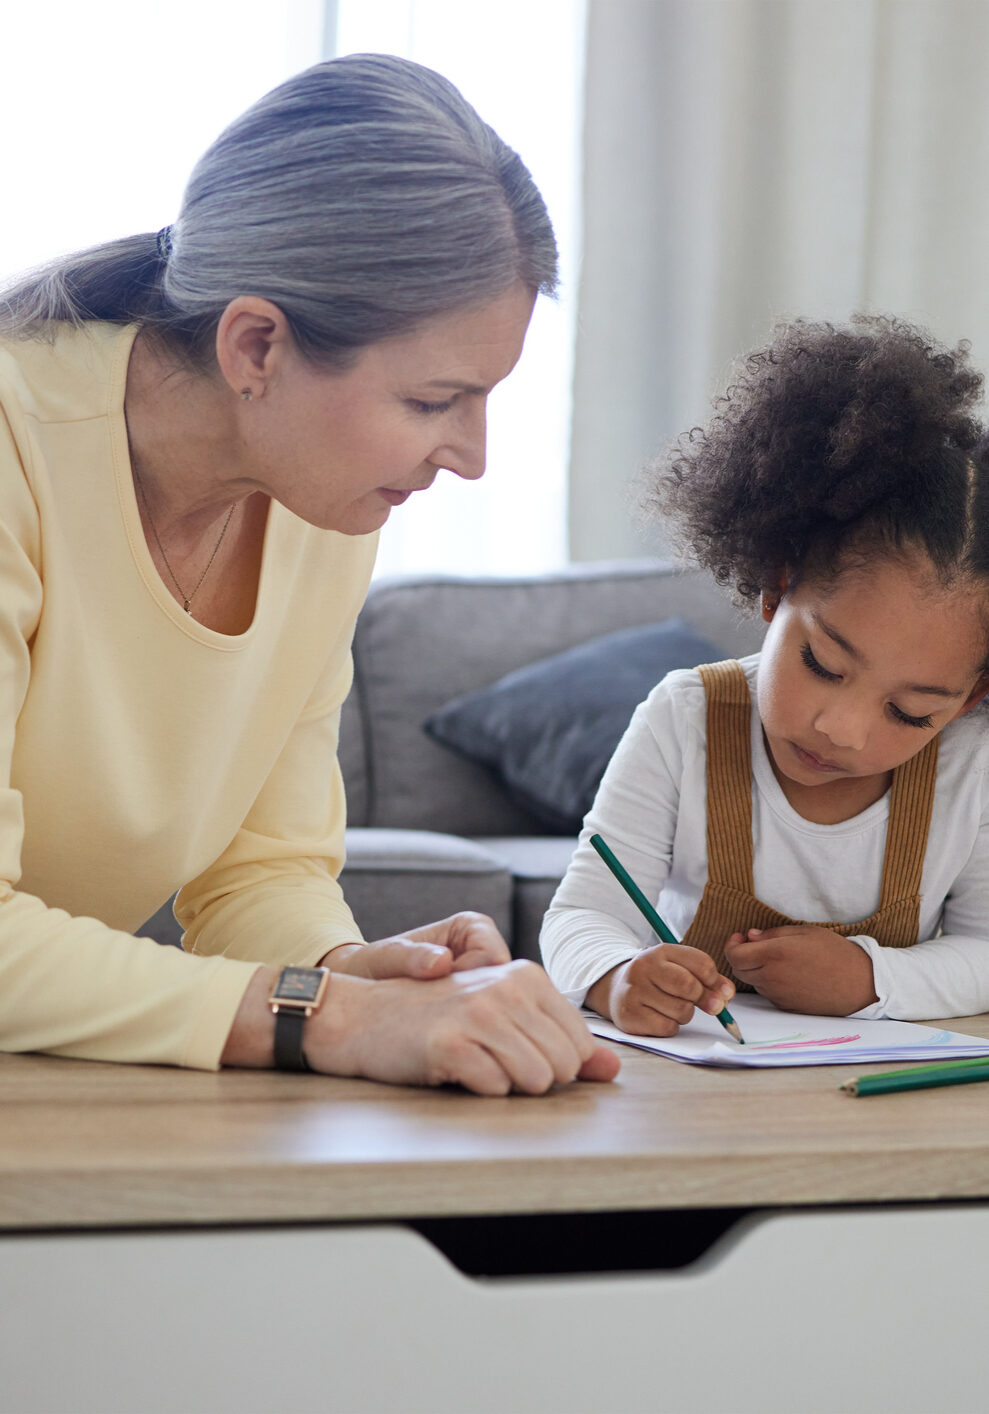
<point>651,808</point>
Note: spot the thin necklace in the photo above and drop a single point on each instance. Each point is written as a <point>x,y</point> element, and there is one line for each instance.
<point>186,598</point>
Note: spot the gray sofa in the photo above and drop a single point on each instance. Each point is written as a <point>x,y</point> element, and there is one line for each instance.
<point>429,831</point>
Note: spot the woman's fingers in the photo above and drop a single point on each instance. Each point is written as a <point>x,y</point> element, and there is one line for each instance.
<point>491,1029</point>
<point>399,957</point>
<point>472,938</point>
<point>536,1036</point>
<point>456,944</point>
<point>601,1065</point>
<point>520,1066</point>
<point>464,1062</point>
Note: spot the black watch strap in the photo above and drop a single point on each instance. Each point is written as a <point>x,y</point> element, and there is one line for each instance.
<point>290,1025</point>
<point>297,994</point>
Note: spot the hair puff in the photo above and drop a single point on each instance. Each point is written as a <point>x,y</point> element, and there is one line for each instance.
<point>831,437</point>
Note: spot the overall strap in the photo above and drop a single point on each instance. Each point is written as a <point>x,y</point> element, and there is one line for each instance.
<point>729,775</point>
<point>911,802</point>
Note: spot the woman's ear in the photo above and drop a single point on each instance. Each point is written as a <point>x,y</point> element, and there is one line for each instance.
<point>251,339</point>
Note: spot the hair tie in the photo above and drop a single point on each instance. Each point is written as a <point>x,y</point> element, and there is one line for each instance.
<point>164,239</point>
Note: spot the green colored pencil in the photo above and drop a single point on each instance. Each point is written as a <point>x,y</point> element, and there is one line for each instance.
<point>653,919</point>
<point>920,1077</point>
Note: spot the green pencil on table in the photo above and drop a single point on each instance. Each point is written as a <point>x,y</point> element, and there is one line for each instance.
<point>920,1077</point>
<point>653,919</point>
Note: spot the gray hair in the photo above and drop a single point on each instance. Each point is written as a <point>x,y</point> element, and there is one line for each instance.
<point>363,196</point>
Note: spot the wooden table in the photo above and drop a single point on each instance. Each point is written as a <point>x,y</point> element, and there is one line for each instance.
<point>86,1144</point>
<point>188,1160</point>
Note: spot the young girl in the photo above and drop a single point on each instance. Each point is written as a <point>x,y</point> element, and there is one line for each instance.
<point>813,820</point>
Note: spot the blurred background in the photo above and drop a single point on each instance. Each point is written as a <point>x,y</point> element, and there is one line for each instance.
<point>711,166</point>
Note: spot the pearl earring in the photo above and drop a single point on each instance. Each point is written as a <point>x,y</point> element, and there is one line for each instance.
<point>246,395</point>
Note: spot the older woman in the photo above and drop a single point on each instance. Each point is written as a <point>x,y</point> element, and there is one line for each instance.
<point>201,433</point>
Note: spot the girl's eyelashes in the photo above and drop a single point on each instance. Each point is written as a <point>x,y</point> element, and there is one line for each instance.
<point>908,721</point>
<point>809,661</point>
<point>429,409</point>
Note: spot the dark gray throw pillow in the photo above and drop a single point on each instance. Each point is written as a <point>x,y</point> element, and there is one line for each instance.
<point>549,729</point>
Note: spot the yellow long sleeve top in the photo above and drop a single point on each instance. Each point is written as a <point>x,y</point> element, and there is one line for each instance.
<point>141,751</point>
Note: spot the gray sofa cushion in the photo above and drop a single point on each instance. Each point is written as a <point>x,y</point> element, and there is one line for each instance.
<point>162,926</point>
<point>422,642</point>
<point>549,729</point>
<point>352,755</point>
<point>538,864</point>
<point>397,879</point>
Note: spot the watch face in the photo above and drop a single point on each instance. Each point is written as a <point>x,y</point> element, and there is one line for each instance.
<point>299,984</point>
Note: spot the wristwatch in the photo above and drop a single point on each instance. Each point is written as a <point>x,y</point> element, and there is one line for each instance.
<point>298,992</point>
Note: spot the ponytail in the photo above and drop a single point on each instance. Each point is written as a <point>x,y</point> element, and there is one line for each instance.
<point>120,282</point>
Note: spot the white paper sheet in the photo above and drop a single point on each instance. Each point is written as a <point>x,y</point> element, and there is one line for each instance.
<point>775,1038</point>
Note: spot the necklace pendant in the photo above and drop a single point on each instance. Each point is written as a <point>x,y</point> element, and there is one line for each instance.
<point>186,601</point>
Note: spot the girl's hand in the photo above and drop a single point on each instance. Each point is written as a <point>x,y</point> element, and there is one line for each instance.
<point>655,992</point>
<point>456,944</point>
<point>804,968</point>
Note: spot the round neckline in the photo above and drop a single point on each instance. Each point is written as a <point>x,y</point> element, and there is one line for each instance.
<point>130,513</point>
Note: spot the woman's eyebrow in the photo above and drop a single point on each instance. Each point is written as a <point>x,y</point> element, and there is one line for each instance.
<point>454,385</point>
<point>842,642</point>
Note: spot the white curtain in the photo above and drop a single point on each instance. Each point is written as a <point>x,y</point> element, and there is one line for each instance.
<point>749,160</point>
<point>520,63</point>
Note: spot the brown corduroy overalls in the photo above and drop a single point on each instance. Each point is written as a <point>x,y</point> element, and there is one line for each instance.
<point>728,904</point>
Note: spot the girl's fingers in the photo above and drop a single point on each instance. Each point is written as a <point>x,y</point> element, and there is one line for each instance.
<point>714,1002</point>
<point>678,982</point>
<point>670,1007</point>
<point>641,1020</point>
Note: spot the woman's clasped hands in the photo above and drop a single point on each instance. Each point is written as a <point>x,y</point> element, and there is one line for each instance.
<point>440,1004</point>
<point>455,944</point>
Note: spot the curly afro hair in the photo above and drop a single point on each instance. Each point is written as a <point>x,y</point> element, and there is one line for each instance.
<point>833,443</point>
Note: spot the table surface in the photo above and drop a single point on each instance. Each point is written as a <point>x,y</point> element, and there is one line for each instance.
<point>84,1144</point>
